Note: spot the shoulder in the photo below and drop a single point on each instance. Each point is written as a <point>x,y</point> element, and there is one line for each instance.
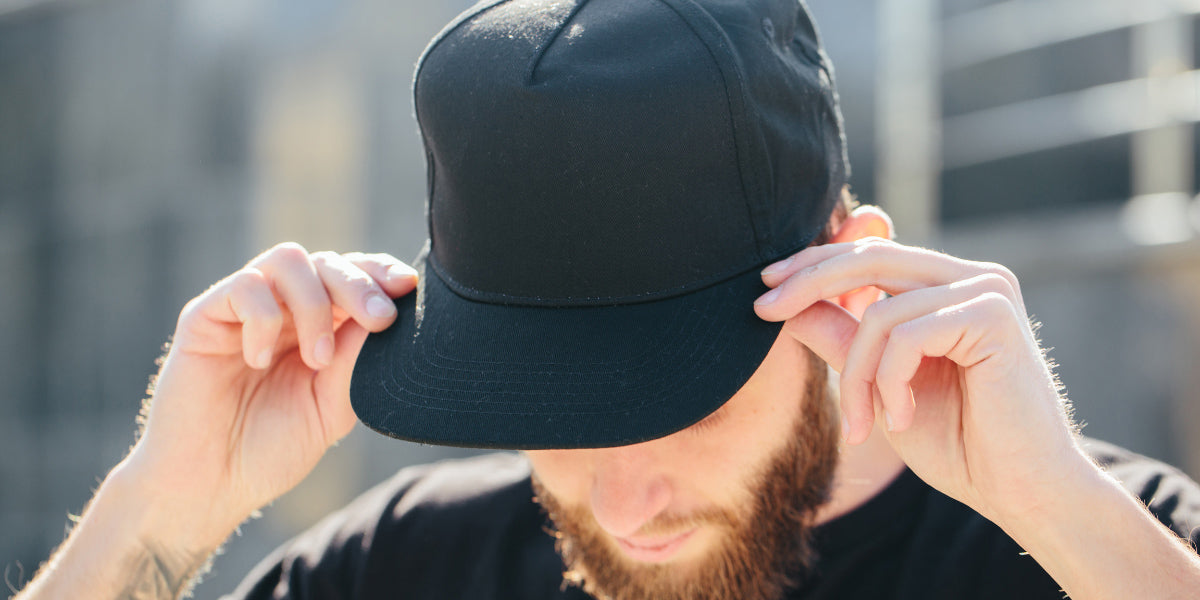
<point>1172,496</point>
<point>437,497</point>
<point>454,506</point>
<point>917,539</point>
<point>452,486</point>
<point>419,527</point>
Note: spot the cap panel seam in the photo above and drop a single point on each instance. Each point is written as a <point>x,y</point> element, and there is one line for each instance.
<point>442,35</point>
<point>541,52</point>
<point>430,172</point>
<point>737,102</point>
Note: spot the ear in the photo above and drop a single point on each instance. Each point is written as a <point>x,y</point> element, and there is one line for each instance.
<point>864,221</point>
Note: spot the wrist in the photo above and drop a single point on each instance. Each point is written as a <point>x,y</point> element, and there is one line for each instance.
<point>1098,541</point>
<point>1053,496</point>
<point>120,549</point>
<point>163,519</point>
<point>1028,489</point>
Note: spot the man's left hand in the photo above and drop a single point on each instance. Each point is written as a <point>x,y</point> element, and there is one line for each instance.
<point>949,362</point>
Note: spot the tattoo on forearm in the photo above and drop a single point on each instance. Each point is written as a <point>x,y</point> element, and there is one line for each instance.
<point>152,576</point>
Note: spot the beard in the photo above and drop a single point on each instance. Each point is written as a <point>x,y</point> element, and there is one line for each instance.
<point>765,548</point>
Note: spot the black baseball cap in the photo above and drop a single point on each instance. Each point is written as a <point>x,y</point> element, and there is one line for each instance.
<point>606,179</point>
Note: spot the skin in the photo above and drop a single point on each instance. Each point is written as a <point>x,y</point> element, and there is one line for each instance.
<point>626,488</point>
<point>255,388</point>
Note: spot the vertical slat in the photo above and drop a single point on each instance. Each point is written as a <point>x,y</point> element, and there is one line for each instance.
<point>1162,156</point>
<point>908,141</point>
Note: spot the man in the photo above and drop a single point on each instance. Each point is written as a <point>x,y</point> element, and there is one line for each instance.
<point>611,185</point>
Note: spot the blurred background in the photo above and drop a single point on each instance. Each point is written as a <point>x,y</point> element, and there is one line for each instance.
<point>149,147</point>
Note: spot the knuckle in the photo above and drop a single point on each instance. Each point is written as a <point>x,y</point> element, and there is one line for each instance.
<point>1003,272</point>
<point>288,252</point>
<point>189,312</point>
<point>324,257</point>
<point>887,379</point>
<point>264,317</point>
<point>246,280</point>
<point>337,273</point>
<point>875,314</point>
<point>257,301</point>
<point>353,277</point>
<point>995,305</point>
<point>994,282</point>
<point>289,247</point>
<point>872,255</point>
<point>872,240</point>
<point>359,282</point>
<point>904,335</point>
<point>872,245</point>
<point>250,291</point>
<point>809,272</point>
<point>855,387</point>
<point>270,318</point>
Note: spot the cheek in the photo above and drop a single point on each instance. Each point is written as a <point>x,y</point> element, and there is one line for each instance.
<point>731,455</point>
<point>561,472</point>
<point>722,467</point>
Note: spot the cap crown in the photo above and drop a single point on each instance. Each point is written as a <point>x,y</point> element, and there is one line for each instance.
<point>615,151</point>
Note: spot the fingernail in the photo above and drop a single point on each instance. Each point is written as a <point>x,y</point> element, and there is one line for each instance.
<point>380,307</point>
<point>779,266</point>
<point>845,428</point>
<point>887,418</point>
<point>323,350</point>
<point>400,271</point>
<point>263,360</point>
<point>768,297</point>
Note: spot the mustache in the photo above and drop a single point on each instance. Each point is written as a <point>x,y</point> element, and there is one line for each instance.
<point>766,547</point>
<point>668,524</point>
<point>661,525</point>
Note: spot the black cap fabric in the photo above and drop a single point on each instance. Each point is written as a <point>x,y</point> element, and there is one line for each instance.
<point>606,180</point>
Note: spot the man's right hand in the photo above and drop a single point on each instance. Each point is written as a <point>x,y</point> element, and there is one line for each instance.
<point>256,386</point>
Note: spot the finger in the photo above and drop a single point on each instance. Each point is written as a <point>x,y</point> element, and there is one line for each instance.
<point>354,291</point>
<point>776,273</point>
<point>846,267</point>
<point>239,311</point>
<point>812,256</point>
<point>252,303</point>
<point>889,266</point>
<point>827,329</point>
<point>295,280</point>
<point>393,275</point>
<point>968,334</point>
<point>862,359</point>
<point>333,384</point>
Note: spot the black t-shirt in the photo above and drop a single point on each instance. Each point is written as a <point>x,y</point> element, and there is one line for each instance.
<point>470,529</point>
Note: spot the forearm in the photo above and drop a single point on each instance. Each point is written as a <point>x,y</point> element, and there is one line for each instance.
<point>1099,542</point>
<point>120,550</point>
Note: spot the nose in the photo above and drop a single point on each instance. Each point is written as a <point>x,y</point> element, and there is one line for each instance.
<point>629,489</point>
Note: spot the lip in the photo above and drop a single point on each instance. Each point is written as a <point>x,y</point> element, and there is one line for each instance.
<point>654,550</point>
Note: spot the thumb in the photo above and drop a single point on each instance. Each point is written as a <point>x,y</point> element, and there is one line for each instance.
<point>827,329</point>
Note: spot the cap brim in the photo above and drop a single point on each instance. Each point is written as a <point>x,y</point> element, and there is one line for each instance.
<point>457,372</point>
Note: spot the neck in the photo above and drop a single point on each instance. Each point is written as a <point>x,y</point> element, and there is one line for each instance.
<point>862,472</point>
